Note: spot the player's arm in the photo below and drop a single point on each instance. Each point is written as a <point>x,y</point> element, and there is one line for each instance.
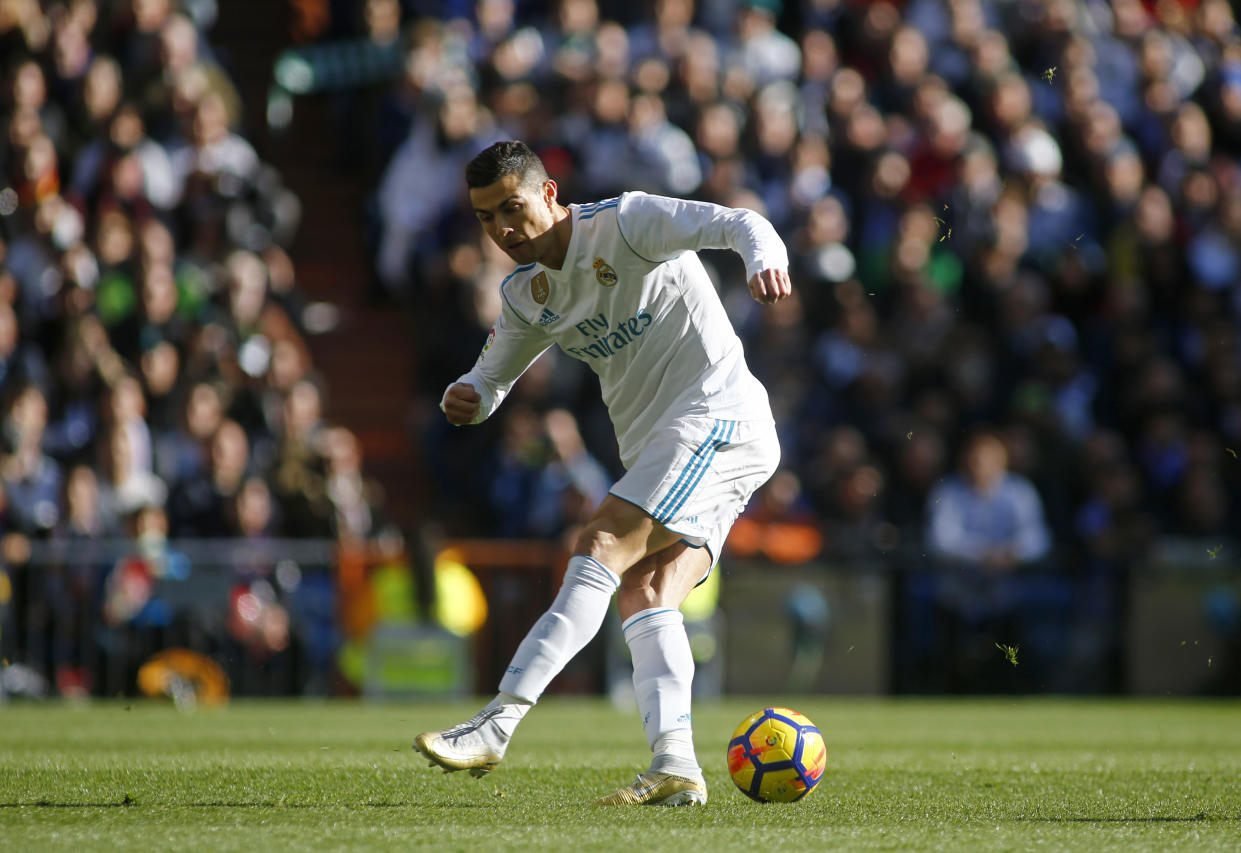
<point>512,346</point>
<point>660,228</point>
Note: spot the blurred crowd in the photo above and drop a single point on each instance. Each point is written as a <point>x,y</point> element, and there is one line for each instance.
<point>155,379</point>
<point>152,347</point>
<point>1021,217</point>
<point>1014,226</point>
<point>1015,232</point>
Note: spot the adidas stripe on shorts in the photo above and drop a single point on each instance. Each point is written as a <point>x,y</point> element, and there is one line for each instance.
<point>696,475</point>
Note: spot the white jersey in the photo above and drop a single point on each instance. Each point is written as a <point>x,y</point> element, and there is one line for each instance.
<point>634,302</point>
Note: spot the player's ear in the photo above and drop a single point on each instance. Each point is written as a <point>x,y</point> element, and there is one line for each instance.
<point>549,192</point>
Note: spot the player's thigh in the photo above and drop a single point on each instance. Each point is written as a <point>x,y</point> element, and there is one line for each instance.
<point>696,474</point>
<point>620,534</point>
<point>663,579</point>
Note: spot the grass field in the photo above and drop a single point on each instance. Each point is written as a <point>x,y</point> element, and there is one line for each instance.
<point>902,775</point>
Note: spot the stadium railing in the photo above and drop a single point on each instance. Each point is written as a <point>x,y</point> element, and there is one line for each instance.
<point>315,617</point>
<point>280,616</point>
<point>81,616</point>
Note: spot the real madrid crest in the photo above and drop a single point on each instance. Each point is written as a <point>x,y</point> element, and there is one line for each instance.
<point>540,288</point>
<point>604,273</point>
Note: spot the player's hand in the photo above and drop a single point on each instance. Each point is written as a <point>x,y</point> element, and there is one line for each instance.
<point>770,286</point>
<point>461,403</point>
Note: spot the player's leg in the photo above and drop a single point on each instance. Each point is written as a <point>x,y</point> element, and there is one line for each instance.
<point>689,482</point>
<point>650,596</point>
<point>619,535</point>
<point>699,498</point>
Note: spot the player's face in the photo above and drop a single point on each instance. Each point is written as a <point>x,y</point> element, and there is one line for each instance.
<point>517,216</point>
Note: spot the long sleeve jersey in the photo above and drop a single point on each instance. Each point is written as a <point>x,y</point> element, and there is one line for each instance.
<point>634,302</point>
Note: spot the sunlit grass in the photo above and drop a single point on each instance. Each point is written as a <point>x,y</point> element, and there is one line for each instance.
<point>902,775</point>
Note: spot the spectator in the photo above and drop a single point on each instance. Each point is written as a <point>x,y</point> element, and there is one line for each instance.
<point>180,51</point>
<point>102,90</point>
<point>252,515</point>
<point>125,168</point>
<point>299,476</point>
<point>27,89</point>
<point>32,479</point>
<point>181,451</point>
<point>761,49</point>
<point>353,497</point>
<point>569,486</point>
<point>87,515</point>
<point>986,516</point>
<point>127,486</point>
<point>160,365</point>
<point>200,505</point>
<point>211,157</point>
<point>19,362</point>
<point>71,588</point>
<point>411,207</point>
<point>127,414</point>
<point>990,581</point>
<point>663,157</point>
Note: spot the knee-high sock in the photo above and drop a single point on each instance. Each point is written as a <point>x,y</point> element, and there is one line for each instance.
<point>561,632</point>
<point>663,673</point>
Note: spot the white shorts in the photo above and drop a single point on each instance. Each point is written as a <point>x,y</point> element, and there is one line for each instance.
<point>696,475</point>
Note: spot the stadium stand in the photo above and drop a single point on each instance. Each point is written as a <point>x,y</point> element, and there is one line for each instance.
<point>1022,216</point>
<point>1019,216</point>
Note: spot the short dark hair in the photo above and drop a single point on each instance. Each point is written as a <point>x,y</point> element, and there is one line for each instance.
<point>505,158</point>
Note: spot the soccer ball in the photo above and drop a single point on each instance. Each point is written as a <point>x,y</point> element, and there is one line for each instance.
<point>776,755</point>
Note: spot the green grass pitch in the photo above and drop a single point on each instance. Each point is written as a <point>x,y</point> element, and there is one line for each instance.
<point>964,774</point>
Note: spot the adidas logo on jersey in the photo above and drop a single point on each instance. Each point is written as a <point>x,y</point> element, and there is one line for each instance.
<point>548,317</point>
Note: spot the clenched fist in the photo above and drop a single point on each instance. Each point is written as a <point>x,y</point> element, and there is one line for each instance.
<point>460,403</point>
<point>770,286</point>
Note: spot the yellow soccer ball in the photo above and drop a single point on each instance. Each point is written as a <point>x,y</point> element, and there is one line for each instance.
<point>776,755</point>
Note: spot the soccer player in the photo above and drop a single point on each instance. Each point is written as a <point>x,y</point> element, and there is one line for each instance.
<point>617,284</point>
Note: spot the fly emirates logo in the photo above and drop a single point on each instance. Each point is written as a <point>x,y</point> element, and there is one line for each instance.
<point>608,339</point>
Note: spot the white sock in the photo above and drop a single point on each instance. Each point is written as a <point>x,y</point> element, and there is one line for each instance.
<point>512,710</point>
<point>663,672</point>
<point>561,632</point>
<point>674,753</point>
